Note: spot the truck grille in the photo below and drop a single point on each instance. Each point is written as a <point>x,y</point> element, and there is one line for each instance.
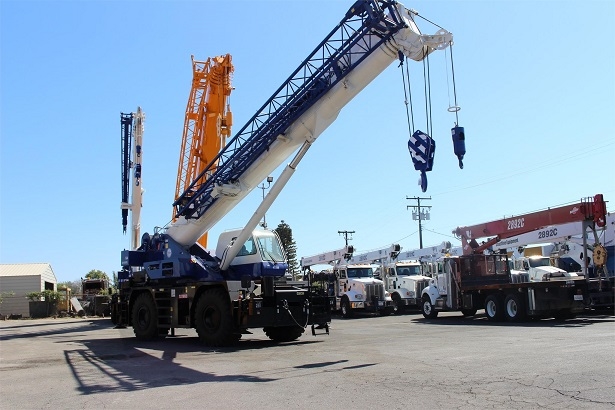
<point>374,290</point>
<point>420,285</point>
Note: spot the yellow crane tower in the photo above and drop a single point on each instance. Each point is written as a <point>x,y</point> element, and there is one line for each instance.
<point>208,121</point>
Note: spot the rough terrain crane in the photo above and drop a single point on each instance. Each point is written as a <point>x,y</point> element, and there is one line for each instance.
<point>477,280</point>
<point>171,281</point>
<point>351,282</point>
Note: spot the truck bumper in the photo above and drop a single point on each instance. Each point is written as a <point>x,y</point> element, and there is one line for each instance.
<point>372,306</point>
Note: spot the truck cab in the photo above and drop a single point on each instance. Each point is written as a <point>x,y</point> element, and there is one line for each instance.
<point>405,282</point>
<point>356,288</point>
<point>539,269</point>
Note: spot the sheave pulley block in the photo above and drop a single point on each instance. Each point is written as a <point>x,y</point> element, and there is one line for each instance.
<point>422,149</point>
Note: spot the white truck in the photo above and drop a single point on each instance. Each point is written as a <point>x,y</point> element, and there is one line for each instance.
<point>537,268</point>
<point>402,272</point>
<point>351,283</point>
<point>477,280</point>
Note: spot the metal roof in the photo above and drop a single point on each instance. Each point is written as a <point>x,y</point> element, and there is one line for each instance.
<point>25,269</point>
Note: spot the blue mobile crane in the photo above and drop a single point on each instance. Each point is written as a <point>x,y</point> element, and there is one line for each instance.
<point>170,281</point>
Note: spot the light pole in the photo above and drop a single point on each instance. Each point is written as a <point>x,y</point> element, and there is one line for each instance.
<point>263,187</point>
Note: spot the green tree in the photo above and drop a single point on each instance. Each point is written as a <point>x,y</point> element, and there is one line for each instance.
<point>51,296</point>
<point>96,274</point>
<point>290,247</point>
<point>73,285</point>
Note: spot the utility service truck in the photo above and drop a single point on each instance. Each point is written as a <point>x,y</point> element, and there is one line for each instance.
<point>477,280</point>
<point>171,281</point>
<point>402,272</point>
<point>352,284</point>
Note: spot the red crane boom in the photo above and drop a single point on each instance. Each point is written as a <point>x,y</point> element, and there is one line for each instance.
<point>588,209</point>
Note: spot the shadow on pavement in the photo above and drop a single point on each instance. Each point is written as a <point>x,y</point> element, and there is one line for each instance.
<point>127,364</point>
<point>52,328</point>
<point>481,320</point>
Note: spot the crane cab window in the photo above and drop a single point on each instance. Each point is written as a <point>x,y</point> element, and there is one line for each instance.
<point>248,248</point>
<point>270,248</point>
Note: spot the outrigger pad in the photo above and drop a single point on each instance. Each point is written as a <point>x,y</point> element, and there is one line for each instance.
<point>319,327</point>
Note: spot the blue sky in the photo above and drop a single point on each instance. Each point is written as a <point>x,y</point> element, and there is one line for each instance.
<point>535,80</point>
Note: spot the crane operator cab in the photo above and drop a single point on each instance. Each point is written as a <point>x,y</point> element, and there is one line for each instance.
<point>261,255</point>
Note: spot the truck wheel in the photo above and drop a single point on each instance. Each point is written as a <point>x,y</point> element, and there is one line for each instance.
<point>346,309</point>
<point>429,311</point>
<point>145,317</point>
<point>283,333</point>
<point>213,318</point>
<point>468,312</point>
<point>398,307</point>
<point>494,308</point>
<point>514,309</point>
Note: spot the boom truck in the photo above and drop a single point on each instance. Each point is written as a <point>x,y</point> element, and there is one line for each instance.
<point>401,272</point>
<point>572,249</point>
<point>351,283</point>
<point>476,280</point>
<point>171,281</point>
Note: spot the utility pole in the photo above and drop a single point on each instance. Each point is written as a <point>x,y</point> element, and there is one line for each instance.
<point>346,234</point>
<point>417,214</point>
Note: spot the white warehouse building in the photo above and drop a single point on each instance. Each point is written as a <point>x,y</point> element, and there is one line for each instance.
<point>19,279</point>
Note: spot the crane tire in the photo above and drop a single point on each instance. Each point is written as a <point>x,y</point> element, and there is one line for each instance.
<point>145,317</point>
<point>213,319</point>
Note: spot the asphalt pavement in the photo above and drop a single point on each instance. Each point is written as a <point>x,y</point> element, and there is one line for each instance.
<point>394,362</point>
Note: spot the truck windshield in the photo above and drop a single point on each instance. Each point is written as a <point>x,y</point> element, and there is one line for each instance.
<point>408,270</point>
<point>360,272</point>
<point>270,248</point>
<point>538,262</point>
